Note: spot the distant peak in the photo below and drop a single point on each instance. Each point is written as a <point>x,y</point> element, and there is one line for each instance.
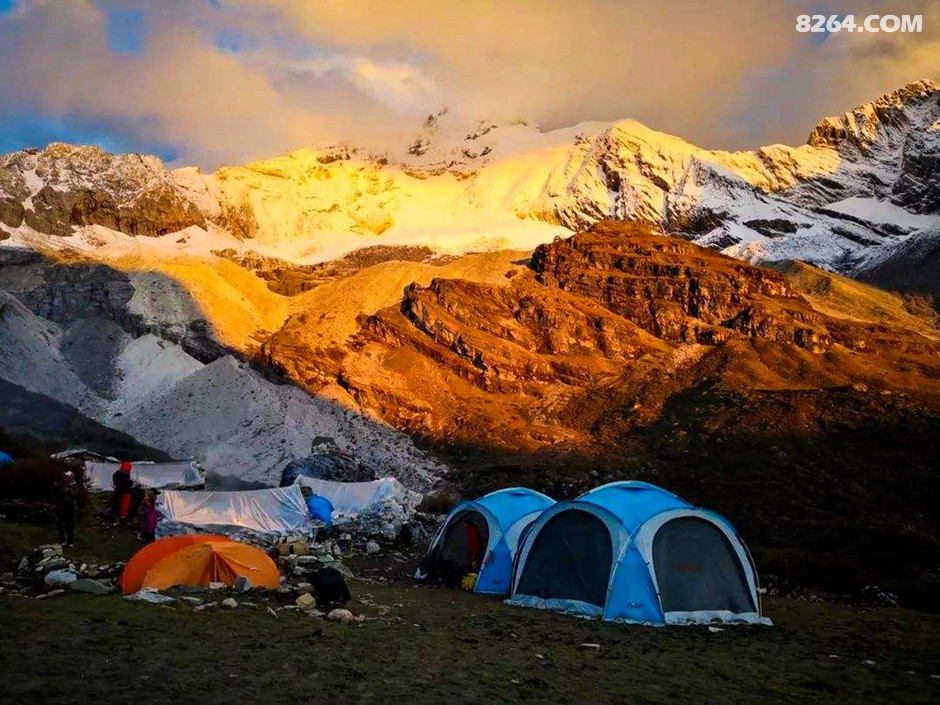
<point>871,121</point>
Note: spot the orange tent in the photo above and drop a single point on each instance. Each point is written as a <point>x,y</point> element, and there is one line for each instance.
<point>133,576</point>
<point>213,562</point>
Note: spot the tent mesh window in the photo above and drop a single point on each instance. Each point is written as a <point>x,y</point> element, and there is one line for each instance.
<point>570,559</point>
<point>698,569</point>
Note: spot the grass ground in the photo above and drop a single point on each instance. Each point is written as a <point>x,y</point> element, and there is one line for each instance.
<point>435,645</point>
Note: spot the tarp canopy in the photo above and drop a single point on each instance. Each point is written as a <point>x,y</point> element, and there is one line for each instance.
<point>157,476</point>
<point>633,552</point>
<point>350,499</point>
<point>279,511</point>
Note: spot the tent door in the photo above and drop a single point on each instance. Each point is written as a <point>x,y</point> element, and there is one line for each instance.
<point>697,569</point>
<point>570,559</point>
<point>461,548</point>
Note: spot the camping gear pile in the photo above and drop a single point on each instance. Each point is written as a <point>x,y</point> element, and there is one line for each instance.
<point>626,552</point>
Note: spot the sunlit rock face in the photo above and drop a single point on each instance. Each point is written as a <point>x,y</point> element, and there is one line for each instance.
<point>62,186</point>
<point>620,317</point>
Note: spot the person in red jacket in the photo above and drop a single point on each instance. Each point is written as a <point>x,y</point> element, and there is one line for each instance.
<point>474,546</point>
<point>123,484</point>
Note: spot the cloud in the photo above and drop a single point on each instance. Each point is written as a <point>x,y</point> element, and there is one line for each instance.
<point>231,81</point>
<point>397,85</point>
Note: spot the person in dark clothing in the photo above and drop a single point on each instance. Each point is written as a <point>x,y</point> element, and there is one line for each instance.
<point>65,508</point>
<point>123,485</point>
<point>330,589</point>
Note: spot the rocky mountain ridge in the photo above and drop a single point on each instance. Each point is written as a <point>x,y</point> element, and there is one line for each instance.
<point>78,332</point>
<point>617,310</point>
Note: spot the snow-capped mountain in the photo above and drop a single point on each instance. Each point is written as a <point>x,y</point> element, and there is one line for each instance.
<point>510,186</point>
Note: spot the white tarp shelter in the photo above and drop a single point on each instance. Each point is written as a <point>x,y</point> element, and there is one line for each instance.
<point>351,499</point>
<point>280,511</point>
<point>157,476</point>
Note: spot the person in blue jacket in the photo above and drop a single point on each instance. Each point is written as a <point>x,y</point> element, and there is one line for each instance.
<point>320,507</point>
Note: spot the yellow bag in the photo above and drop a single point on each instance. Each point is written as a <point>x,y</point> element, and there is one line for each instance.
<point>469,582</point>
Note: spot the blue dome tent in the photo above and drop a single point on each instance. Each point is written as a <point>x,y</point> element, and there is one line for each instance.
<point>5,458</point>
<point>633,552</point>
<point>497,520</point>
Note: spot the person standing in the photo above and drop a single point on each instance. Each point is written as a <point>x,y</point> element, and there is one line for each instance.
<point>66,499</point>
<point>149,516</point>
<point>123,485</point>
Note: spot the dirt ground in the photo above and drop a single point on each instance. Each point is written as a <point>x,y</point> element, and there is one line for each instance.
<point>428,645</point>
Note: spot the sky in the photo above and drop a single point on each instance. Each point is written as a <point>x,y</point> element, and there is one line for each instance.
<point>215,82</point>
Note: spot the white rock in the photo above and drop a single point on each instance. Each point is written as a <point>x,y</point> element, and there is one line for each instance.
<point>341,615</point>
<point>151,596</point>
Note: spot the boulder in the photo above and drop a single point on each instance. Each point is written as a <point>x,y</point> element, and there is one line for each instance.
<point>327,462</point>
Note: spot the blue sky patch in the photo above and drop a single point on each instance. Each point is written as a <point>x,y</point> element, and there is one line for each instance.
<point>23,130</point>
<point>126,31</point>
<point>233,41</point>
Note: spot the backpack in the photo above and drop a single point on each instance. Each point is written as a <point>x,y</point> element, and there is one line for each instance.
<point>330,589</point>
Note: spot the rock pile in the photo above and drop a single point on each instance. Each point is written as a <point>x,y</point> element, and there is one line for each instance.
<point>45,572</point>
